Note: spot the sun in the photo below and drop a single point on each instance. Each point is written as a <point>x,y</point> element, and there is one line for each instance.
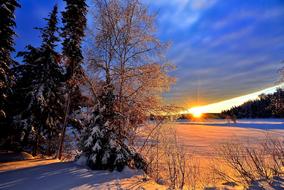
<point>197,114</point>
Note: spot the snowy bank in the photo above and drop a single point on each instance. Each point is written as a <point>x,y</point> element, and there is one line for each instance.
<point>14,156</point>
<point>68,175</point>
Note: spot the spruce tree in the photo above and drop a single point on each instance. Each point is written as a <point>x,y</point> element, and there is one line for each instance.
<point>7,33</point>
<point>39,87</point>
<point>99,139</point>
<point>74,21</point>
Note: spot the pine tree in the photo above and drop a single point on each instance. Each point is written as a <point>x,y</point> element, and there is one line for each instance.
<point>266,106</point>
<point>277,103</point>
<point>100,142</point>
<point>39,87</point>
<point>7,24</point>
<point>74,21</point>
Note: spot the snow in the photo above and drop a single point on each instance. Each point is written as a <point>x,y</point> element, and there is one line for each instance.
<point>94,158</point>
<point>102,109</point>
<point>68,175</point>
<point>106,124</point>
<point>97,146</point>
<point>85,114</point>
<point>202,137</point>
<point>96,131</point>
<point>105,157</point>
<point>199,138</point>
<point>82,161</point>
<point>6,8</point>
<point>119,157</point>
<point>17,165</point>
<point>243,123</point>
<point>97,117</point>
<point>112,143</point>
<point>89,141</point>
<point>13,156</point>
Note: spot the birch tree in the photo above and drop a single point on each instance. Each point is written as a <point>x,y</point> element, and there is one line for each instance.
<point>126,53</point>
<point>126,59</point>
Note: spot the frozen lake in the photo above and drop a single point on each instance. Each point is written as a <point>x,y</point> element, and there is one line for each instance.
<point>203,137</point>
<point>265,124</point>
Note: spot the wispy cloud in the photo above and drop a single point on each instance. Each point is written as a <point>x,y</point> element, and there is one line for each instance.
<point>229,37</point>
<point>231,51</point>
<point>180,14</point>
<point>222,49</point>
<point>241,15</point>
<point>217,74</point>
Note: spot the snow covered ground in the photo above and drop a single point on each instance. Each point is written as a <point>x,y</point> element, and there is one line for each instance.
<point>55,175</point>
<point>266,124</point>
<point>201,138</point>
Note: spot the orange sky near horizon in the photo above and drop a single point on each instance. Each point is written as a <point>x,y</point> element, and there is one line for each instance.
<point>227,104</point>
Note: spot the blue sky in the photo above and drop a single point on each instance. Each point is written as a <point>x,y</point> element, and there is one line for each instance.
<point>222,48</point>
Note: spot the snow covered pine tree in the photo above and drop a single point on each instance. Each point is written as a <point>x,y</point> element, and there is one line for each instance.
<point>38,91</point>
<point>7,23</point>
<point>74,24</point>
<point>100,143</point>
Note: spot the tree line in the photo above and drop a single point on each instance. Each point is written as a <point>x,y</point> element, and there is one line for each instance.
<point>105,89</point>
<point>35,91</point>
<point>266,106</point>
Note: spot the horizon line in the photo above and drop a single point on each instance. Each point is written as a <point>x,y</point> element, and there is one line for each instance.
<point>218,107</point>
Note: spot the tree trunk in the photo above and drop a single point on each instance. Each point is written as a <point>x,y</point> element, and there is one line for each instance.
<point>35,151</point>
<point>59,155</point>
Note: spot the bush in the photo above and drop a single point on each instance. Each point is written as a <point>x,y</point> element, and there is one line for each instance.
<point>249,164</point>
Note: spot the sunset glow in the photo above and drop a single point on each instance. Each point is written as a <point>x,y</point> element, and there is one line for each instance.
<point>189,92</point>
<point>227,104</point>
<point>197,114</point>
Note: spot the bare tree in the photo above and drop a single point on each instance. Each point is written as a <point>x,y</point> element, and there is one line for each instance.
<point>168,158</point>
<point>125,53</point>
<point>125,57</point>
<point>274,147</point>
<point>193,172</point>
<point>251,163</point>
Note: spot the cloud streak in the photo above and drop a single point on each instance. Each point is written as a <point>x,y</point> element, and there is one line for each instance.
<point>180,14</point>
<point>232,49</point>
<point>222,49</point>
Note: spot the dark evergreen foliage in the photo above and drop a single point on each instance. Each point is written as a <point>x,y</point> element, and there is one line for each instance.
<point>74,21</point>
<point>46,94</point>
<point>39,92</point>
<point>7,33</point>
<point>100,141</point>
<point>267,106</point>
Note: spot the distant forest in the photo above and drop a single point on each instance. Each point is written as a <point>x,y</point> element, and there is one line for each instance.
<point>266,106</point>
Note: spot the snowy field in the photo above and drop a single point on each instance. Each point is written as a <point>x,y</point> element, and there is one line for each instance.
<point>55,175</point>
<point>266,124</point>
<point>202,137</point>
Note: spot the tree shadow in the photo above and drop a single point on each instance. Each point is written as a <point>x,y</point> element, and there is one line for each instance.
<point>63,175</point>
<point>262,126</point>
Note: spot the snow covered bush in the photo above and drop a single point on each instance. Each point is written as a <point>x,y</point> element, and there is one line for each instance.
<point>82,160</point>
<point>251,163</point>
<point>101,143</point>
